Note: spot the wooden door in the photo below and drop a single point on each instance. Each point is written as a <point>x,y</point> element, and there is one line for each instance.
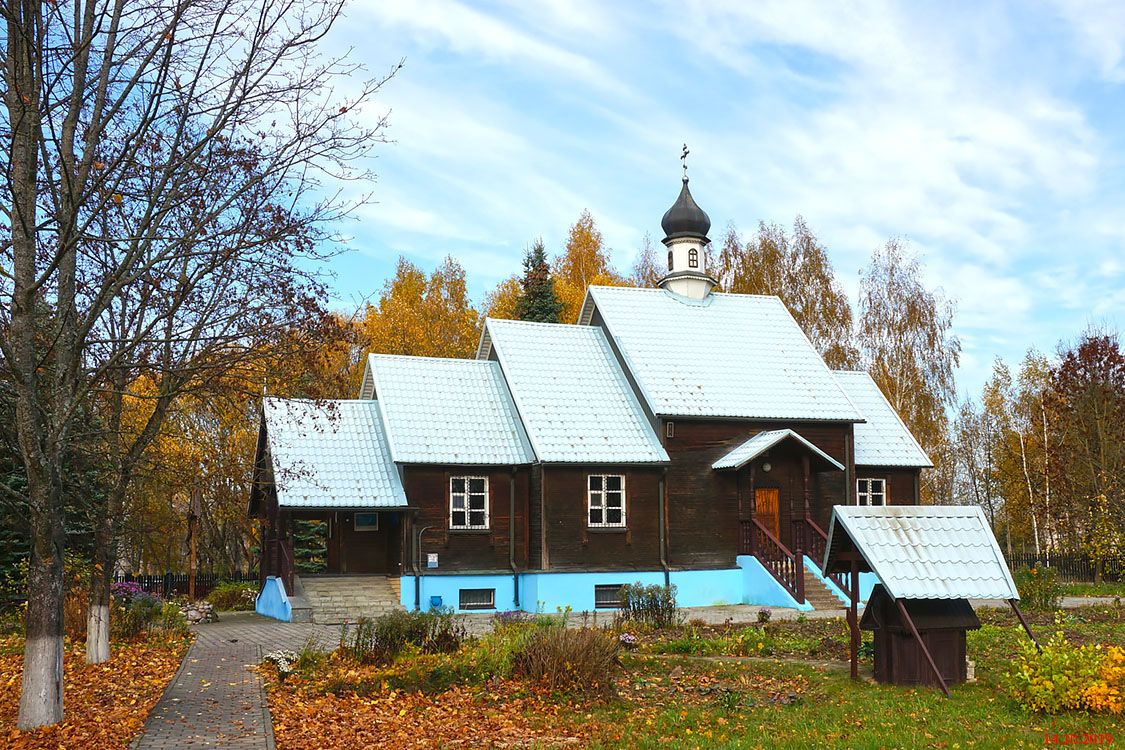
<point>766,509</point>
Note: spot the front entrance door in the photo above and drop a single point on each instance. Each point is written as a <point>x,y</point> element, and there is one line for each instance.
<point>366,542</point>
<point>766,510</point>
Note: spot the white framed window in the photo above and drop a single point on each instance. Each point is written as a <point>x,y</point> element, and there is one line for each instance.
<point>365,521</point>
<point>468,502</point>
<point>871,491</point>
<point>693,258</point>
<point>606,500</point>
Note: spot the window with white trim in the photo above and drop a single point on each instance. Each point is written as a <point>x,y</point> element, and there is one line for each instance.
<point>468,502</point>
<point>871,491</point>
<point>606,500</point>
<point>693,258</point>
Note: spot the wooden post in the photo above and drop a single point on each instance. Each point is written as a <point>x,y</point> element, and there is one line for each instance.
<point>1023,621</point>
<point>922,645</point>
<point>853,619</point>
<point>193,523</point>
<point>799,559</point>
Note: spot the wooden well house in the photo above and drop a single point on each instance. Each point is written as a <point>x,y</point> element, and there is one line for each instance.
<point>941,623</point>
<point>929,561</point>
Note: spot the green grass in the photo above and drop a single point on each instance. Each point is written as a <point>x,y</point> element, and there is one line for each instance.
<point>792,692</point>
<point>1094,589</point>
<point>833,711</point>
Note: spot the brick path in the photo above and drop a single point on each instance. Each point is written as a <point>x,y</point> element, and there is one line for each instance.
<point>215,700</point>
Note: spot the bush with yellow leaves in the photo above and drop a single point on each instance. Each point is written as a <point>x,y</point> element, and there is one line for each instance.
<point>1065,677</point>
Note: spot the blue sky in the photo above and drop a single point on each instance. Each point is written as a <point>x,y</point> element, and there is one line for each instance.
<point>989,135</point>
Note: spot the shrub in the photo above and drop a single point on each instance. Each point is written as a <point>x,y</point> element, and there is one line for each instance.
<point>1065,677</point>
<point>764,615</point>
<point>172,619</point>
<point>654,606</point>
<point>1039,588</point>
<point>569,659</point>
<point>233,596</point>
<point>131,612</point>
<point>380,640</point>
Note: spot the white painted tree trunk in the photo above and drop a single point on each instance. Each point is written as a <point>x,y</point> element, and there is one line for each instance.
<point>1030,496</point>
<point>97,634</point>
<point>41,700</point>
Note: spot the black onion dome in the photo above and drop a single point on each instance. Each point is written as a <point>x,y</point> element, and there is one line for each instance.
<point>685,218</point>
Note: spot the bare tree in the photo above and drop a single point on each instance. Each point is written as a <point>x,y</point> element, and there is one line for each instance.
<point>908,346</point>
<point>162,169</point>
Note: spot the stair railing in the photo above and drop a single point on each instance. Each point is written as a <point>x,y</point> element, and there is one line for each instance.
<point>808,535</point>
<point>785,566</point>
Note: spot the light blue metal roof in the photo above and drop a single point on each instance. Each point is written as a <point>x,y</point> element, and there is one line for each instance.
<point>728,355</point>
<point>330,454</point>
<point>571,394</point>
<point>925,551</point>
<point>447,411</point>
<point>884,439</point>
<point>762,442</point>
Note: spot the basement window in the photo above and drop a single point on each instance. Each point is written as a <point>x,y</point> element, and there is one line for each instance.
<point>608,596</point>
<point>606,500</point>
<point>476,599</point>
<point>468,502</point>
<point>871,492</point>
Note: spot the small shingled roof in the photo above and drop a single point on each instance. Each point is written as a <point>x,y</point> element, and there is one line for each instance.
<point>570,392</point>
<point>330,454</point>
<point>922,551</point>
<point>738,356</point>
<point>447,411</point>
<point>884,439</point>
<point>762,442</point>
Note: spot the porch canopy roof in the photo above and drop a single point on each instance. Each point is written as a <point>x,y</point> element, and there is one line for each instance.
<point>762,442</point>
<point>921,551</point>
<point>330,455</point>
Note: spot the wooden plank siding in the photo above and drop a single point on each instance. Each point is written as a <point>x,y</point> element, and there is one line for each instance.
<point>706,505</point>
<point>427,490</point>
<point>902,483</point>
<point>570,542</point>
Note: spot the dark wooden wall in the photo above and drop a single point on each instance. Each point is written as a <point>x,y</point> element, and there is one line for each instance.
<point>705,505</point>
<point>427,490</point>
<point>902,484</point>
<point>571,544</point>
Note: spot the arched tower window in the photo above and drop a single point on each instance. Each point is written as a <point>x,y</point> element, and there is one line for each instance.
<point>669,260</point>
<point>693,258</point>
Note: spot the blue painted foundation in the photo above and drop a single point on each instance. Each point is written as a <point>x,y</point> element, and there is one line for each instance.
<point>867,582</point>
<point>763,589</point>
<point>273,602</point>
<point>749,583</point>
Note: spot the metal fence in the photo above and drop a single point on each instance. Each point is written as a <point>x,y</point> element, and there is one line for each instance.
<point>1069,566</point>
<point>172,584</point>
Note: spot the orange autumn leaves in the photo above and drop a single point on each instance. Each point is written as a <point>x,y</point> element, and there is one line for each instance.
<point>460,717</point>
<point>106,704</point>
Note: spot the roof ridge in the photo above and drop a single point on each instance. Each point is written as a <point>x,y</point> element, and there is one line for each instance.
<point>302,400</point>
<point>426,358</point>
<point>536,324</point>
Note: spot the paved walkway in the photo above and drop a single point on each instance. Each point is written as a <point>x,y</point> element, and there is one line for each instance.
<point>215,700</point>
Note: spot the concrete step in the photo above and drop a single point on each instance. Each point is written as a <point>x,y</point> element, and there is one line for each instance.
<point>338,599</point>
<point>819,595</point>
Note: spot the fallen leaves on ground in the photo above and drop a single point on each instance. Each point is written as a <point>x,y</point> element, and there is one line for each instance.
<point>460,717</point>
<point>105,704</point>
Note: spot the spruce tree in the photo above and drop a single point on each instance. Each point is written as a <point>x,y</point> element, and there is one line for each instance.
<point>538,301</point>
